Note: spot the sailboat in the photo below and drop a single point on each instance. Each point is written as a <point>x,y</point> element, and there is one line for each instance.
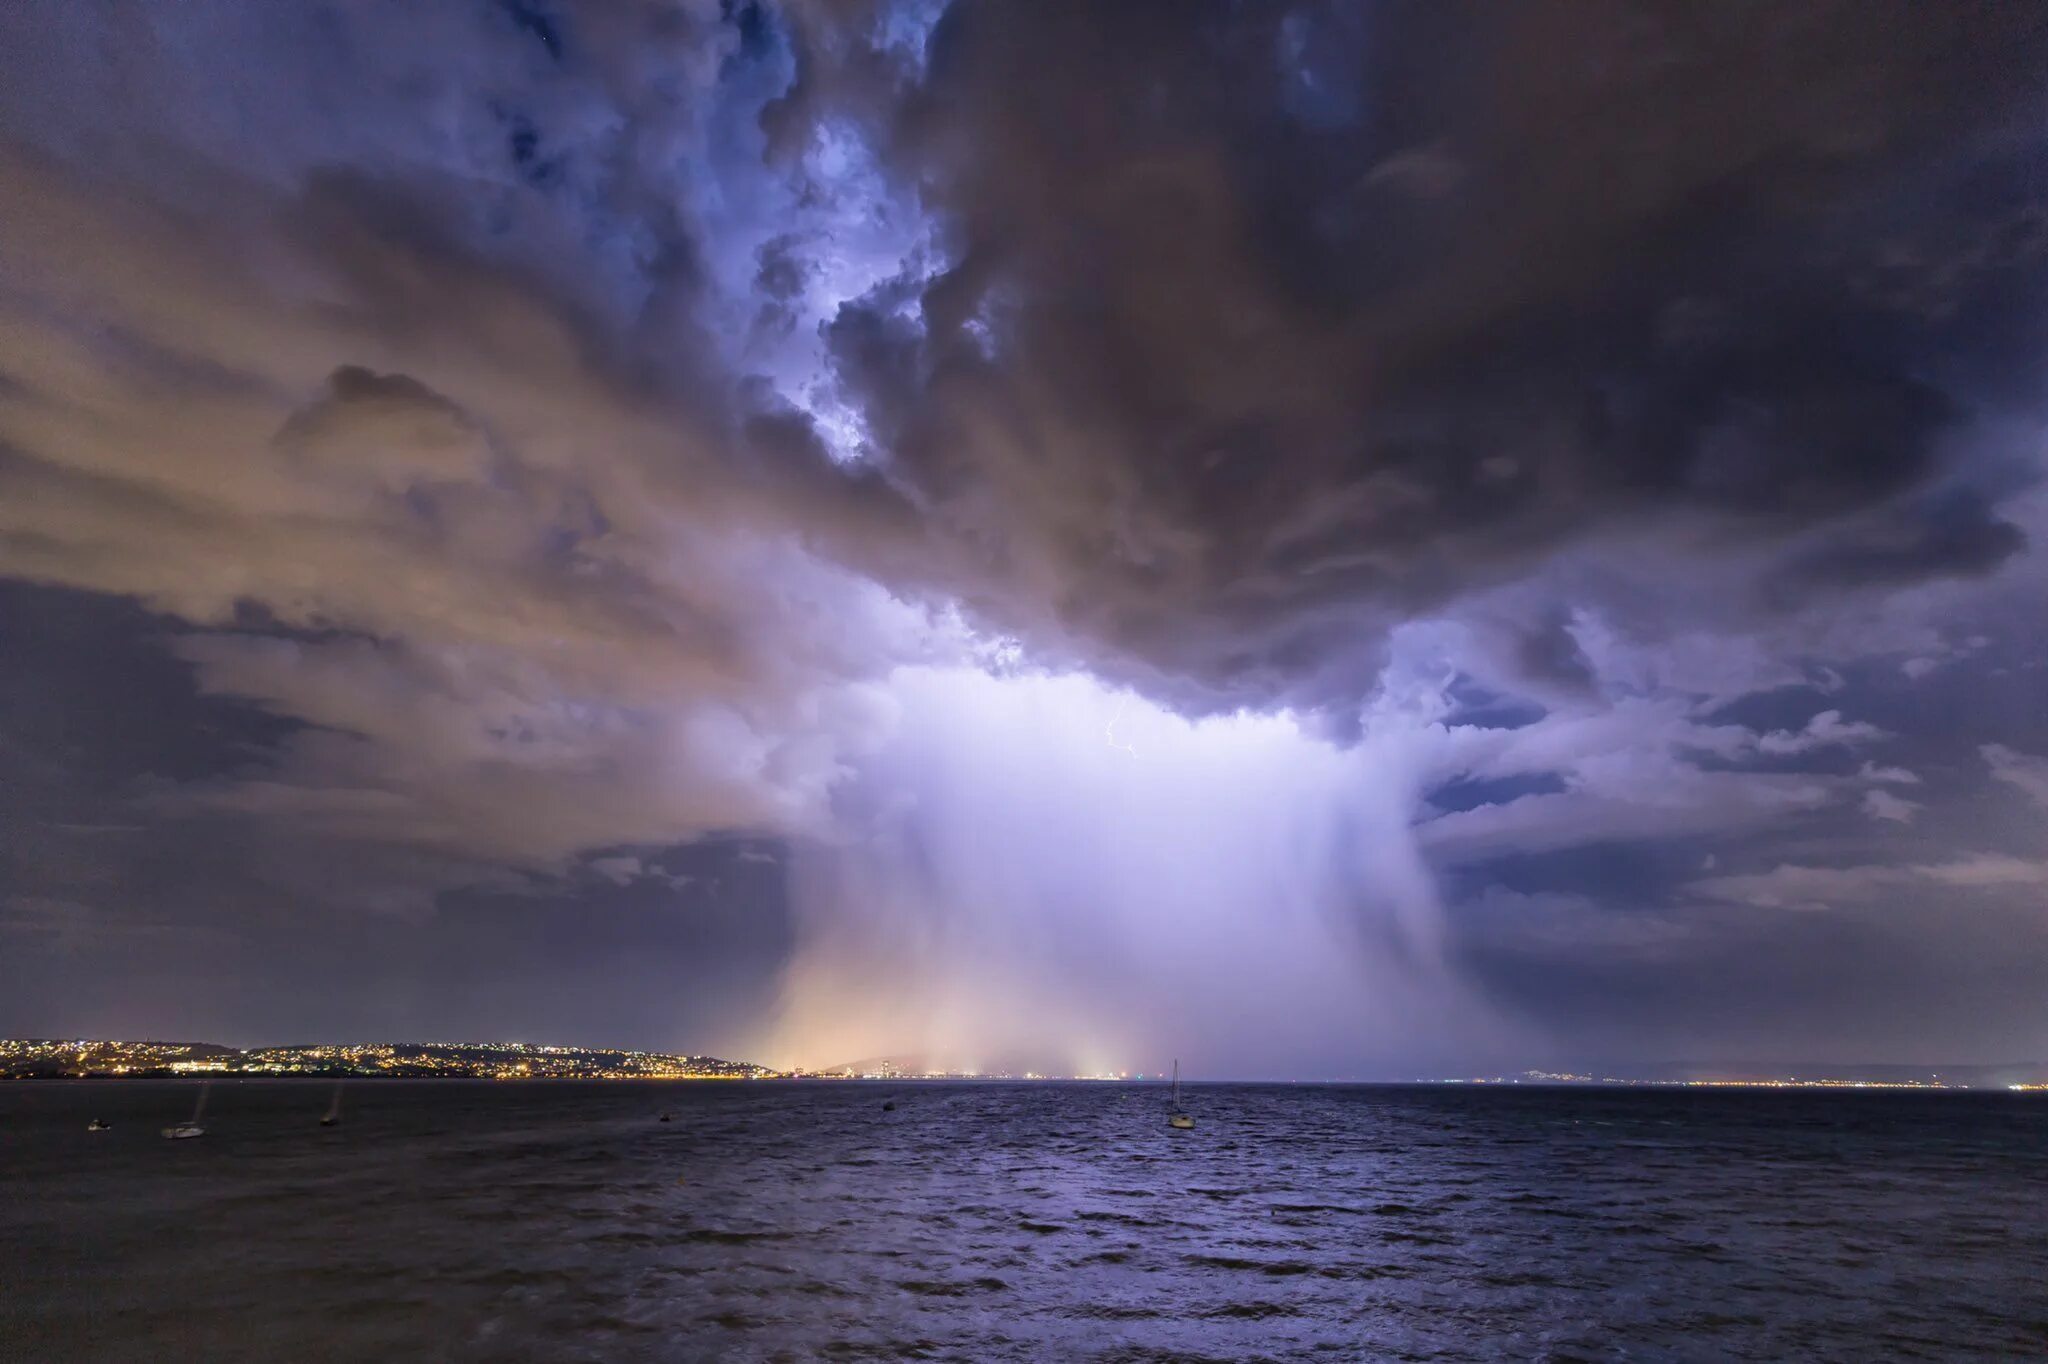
<point>1177,1116</point>
<point>332,1117</point>
<point>190,1128</point>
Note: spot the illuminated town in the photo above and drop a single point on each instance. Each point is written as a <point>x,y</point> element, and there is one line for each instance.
<point>46,1058</point>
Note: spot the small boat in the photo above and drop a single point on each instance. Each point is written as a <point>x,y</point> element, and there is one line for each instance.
<point>1177,1116</point>
<point>99,1125</point>
<point>889,1107</point>
<point>332,1117</point>
<point>185,1131</point>
<point>666,1118</point>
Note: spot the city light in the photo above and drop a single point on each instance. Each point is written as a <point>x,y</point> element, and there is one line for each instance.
<point>26,1058</point>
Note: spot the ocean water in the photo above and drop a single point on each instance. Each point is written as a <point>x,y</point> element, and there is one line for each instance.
<point>793,1221</point>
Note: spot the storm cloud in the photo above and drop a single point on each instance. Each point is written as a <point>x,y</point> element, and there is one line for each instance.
<point>1491,523</point>
<point>1259,330</point>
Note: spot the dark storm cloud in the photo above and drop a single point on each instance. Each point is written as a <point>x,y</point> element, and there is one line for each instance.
<point>1263,327</point>
<point>435,452</point>
<point>1955,535</point>
<point>780,281</point>
<point>1253,332</point>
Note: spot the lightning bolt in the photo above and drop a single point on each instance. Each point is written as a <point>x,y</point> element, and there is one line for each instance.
<point>1109,730</point>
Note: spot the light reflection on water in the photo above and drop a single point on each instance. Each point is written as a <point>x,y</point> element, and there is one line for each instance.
<point>798,1221</point>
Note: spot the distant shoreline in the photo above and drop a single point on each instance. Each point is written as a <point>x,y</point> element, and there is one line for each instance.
<point>114,1059</point>
<point>1544,1086</point>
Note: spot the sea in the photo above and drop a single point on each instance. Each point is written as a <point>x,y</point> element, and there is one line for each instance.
<point>798,1220</point>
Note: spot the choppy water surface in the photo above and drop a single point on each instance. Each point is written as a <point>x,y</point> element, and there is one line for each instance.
<point>797,1221</point>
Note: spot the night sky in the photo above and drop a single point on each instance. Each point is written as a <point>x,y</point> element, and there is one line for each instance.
<point>1321,539</point>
